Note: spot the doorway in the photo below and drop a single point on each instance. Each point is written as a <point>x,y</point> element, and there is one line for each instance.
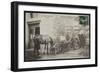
<point>33,30</point>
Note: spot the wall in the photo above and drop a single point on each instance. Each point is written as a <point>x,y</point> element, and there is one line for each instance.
<point>52,25</point>
<point>5,17</point>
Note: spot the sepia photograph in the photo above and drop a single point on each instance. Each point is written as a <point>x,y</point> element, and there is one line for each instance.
<point>56,36</point>
<point>48,36</point>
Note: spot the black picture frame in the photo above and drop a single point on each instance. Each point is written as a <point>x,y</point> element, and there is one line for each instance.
<point>14,35</point>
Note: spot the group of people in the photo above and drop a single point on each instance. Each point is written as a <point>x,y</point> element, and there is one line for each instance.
<point>45,45</point>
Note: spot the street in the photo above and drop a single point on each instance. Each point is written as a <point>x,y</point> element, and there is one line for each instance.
<point>72,54</point>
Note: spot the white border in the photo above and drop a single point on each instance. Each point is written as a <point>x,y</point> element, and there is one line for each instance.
<point>22,64</point>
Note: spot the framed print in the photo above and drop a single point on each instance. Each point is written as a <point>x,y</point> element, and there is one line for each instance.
<point>52,36</point>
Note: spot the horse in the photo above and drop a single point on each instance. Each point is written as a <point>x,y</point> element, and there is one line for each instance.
<point>46,43</point>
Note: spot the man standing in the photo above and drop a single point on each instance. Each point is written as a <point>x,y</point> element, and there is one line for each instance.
<point>36,45</point>
<point>82,39</point>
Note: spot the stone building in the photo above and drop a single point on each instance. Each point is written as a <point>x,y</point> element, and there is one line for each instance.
<point>50,24</point>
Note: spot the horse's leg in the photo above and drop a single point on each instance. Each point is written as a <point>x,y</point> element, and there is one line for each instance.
<point>42,49</point>
<point>51,49</point>
<point>54,50</point>
<point>44,46</point>
<point>47,49</point>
